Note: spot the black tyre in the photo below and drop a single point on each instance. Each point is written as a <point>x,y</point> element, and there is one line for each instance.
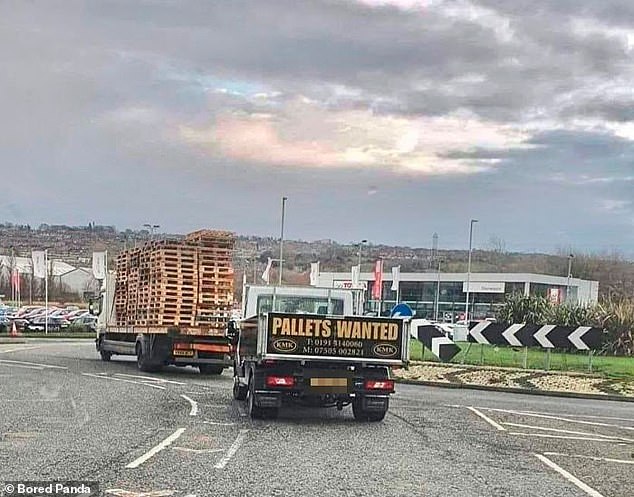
<point>105,355</point>
<point>210,369</point>
<point>361,414</point>
<point>254,411</point>
<point>143,362</point>
<point>239,391</point>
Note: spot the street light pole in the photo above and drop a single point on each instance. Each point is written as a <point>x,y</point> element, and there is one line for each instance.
<point>360,246</point>
<point>570,258</point>
<point>466,309</point>
<point>437,292</point>
<point>284,199</point>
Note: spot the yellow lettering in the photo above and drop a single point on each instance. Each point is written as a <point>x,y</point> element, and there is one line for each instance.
<point>307,328</point>
<point>326,331</point>
<point>356,330</point>
<point>277,324</point>
<point>343,329</point>
<point>392,332</point>
<point>366,330</point>
<point>286,327</point>
<point>375,330</point>
<point>383,331</point>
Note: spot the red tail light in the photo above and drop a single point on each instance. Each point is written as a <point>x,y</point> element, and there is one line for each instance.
<point>280,381</point>
<point>379,385</point>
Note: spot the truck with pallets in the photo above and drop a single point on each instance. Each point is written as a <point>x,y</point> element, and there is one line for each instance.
<point>169,302</point>
<point>305,346</point>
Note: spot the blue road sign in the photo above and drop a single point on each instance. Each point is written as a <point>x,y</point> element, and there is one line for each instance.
<point>401,311</point>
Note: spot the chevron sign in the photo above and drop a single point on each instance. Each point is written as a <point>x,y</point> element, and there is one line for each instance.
<point>549,336</point>
<point>436,341</point>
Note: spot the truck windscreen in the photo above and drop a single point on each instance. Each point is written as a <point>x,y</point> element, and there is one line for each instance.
<point>295,304</point>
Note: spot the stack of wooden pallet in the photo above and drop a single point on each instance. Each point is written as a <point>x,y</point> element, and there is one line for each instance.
<point>186,283</point>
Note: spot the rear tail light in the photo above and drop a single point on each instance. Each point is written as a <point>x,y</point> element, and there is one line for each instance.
<point>182,345</point>
<point>280,381</point>
<point>379,385</point>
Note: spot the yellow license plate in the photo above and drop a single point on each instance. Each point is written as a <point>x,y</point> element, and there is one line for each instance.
<point>185,353</point>
<point>329,382</point>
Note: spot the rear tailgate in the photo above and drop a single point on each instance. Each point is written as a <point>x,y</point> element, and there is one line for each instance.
<point>348,338</point>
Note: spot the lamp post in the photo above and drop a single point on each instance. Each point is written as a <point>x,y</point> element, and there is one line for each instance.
<point>570,258</point>
<point>284,199</point>
<point>466,309</point>
<point>437,291</point>
<point>359,253</point>
<point>151,227</point>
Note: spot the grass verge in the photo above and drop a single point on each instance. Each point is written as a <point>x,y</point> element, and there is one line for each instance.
<point>490,355</point>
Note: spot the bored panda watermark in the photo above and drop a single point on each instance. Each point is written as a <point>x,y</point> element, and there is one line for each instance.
<point>49,488</point>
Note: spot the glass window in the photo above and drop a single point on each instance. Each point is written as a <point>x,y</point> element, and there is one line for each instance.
<point>300,305</point>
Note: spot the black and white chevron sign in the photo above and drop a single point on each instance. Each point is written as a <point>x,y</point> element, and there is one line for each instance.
<point>436,341</point>
<point>549,336</point>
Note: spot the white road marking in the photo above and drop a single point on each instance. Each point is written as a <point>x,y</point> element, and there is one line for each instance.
<point>119,492</point>
<point>155,450</point>
<point>48,366</point>
<point>562,437</point>
<point>579,456</point>
<point>160,380</point>
<point>39,368</point>
<point>197,451</point>
<point>194,404</point>
<point>569,432</point>
<point>548,416</point>
<point>232,450</point>
<point>18,350</point>
<point>571,478</point>
<point>217,423</point>
<point>486,418</point>
<point>566,414</point>
<point>121,379</point>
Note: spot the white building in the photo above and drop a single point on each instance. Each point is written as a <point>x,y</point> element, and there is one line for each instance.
<point>72,279</point>
<point>425,292</point>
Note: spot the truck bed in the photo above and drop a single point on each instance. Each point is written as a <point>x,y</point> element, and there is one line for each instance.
<point>312,337</point>
<point>165,330</point>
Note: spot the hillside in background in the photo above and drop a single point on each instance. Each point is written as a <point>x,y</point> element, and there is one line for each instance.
<point>74,245</point>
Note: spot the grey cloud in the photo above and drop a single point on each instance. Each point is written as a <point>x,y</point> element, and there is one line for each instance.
<point>93,89</point>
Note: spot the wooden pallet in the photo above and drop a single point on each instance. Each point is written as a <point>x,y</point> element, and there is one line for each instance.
<point>177,282</point>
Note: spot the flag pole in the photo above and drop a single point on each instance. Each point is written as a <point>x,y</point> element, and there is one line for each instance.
<point>46,293</point>
<point>106,296</point>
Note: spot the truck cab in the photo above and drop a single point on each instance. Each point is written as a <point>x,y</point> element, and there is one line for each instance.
<point>305,346</point>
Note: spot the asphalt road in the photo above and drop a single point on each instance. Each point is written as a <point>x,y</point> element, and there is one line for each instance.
<point>65,415</point>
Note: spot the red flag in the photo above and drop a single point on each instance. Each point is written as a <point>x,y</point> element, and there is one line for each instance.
<point>15,279</point>
<point>378,280</point>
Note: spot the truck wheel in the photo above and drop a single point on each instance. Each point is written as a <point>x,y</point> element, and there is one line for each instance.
<point>143,362</point>
<point>209,369</point>
<point>105,355</point>
<point>239,391</point>
<point>361,414</point>
<point>254,411</point>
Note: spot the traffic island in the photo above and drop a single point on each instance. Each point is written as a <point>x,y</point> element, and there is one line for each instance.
<point>517,380</point>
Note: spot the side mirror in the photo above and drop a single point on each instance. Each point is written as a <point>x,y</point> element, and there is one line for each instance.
<point>94,305</point>
<point>232,331</point>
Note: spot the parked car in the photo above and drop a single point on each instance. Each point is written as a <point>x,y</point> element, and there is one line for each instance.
<point>5,324</point>
<point>54,324</point>
<point>87,322</point>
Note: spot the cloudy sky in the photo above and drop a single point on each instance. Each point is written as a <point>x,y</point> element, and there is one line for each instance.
<point>380,119</point>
